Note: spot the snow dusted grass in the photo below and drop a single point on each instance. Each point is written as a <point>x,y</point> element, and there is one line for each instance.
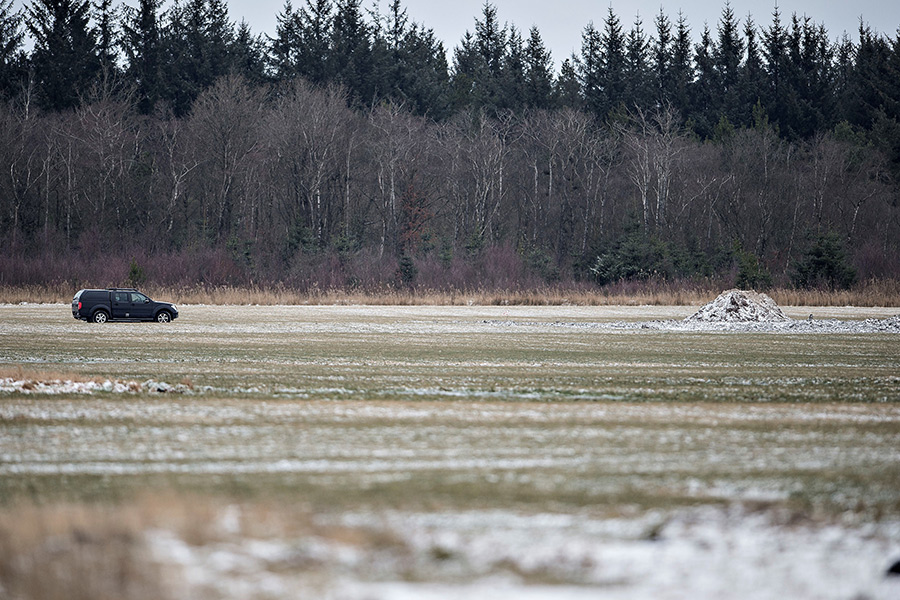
<point>448,452</point>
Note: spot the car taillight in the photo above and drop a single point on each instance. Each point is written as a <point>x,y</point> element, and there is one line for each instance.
<point>79,306</point>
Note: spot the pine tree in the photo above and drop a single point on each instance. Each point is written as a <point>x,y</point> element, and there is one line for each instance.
<point>141,41</point>
<point>752,83</point>
<point>661,59</point>
<point>12,60</point>
<point>64,59</point>
<point>704,111</point>
<point>513,83</point>
<point>478,64</point>
<point>775,51</point>
<point>613,64</point>
<point>727,55</point>
<point>538,72</point>
<point>682,67</point>
<point>285,46</point>
<point>248,55</point>
<point>567,89</point>
<point>590,69</point>
<point>351,52</point>
<point>316,22</point>
<point>426,84</point>
<point>106,18</point>
<point>638,90</point>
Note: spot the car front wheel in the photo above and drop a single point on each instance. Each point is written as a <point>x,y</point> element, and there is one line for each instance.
<point>101,316</point>
<point>163,317</point>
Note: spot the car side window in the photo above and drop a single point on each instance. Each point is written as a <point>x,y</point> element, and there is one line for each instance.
<point>118,297</point>
<point>138,298</point>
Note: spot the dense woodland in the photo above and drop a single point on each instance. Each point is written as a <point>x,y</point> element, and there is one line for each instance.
<point>167,144</point>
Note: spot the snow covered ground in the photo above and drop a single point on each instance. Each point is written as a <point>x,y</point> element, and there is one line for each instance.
<point>705,553</point>
<point>474,452</point>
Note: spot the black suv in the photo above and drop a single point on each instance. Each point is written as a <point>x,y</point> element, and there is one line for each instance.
<point>120,304</point>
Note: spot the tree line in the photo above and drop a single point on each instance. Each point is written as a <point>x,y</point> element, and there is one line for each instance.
<point>347,150</point>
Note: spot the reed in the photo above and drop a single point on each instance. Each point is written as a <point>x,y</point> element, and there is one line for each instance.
<point>874,293</point>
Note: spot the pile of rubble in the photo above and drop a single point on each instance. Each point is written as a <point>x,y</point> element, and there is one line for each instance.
<point>740,306</point>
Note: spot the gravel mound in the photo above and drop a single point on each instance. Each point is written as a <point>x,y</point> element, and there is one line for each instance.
<point>740,306</point>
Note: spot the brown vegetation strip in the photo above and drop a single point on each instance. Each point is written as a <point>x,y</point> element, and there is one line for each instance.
<point>868,294</point>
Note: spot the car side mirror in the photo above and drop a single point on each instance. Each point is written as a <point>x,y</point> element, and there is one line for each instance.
<point>146,300</point>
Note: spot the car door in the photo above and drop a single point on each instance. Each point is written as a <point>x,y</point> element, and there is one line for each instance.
<point>120,302</point>
<point>141,306</point>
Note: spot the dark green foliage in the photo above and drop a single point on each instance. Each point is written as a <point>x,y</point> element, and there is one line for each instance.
<point>751,275</point>
<point>538,72</point>
<point>196,46</point>
<point>64,60</point>
<point>12,58</point>
<point>407,271</point>
<point>824,264</point>
<point>541,263</point>
<point>637,257</point>
<point>136,275</point>
<point>142,43</point>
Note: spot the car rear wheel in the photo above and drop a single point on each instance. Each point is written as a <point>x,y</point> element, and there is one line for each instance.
<point>101,316</point>
<point>163,317</point>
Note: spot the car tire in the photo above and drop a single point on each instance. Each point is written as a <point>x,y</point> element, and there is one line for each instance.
<point>101,316</point>
<point>163,316</point>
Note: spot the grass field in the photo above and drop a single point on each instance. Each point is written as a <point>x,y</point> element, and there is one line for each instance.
<point>447,452</point>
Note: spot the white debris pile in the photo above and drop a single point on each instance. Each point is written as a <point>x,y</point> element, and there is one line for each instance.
<point>740,306</point>
<point>53,386</point>
<point>26,385</point>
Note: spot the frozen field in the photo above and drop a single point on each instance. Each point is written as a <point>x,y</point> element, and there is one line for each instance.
<point>451,452</point>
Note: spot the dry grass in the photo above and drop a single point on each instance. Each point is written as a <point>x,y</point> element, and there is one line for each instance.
<point>70,552</point>
<point>77,551</point>
<point>20,373</point>
<point>873,293</point>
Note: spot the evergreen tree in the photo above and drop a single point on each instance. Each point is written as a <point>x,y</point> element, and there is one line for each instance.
<point>197,45</point>
<point>248,55</point>
<point>817,66</point>
<point>661,59</point>
<point>613,64</point>
<point>538,72</point>
<point>590,69</point>
<point>752,74</point>
<point>478,63</point>
<point>638,90</point>
<point>64,59</point>
<point>775,51</point>
<point>284,48</point>
<point>513,82</point>
<point>12,60</point>
<point>426,81</point>
<point>141,41</point>
<point>106,18</point>
<point>705,108</point>
<point>315,38</point>
<point>844,53</point>
<point>682,71</point>
<point>351,52</point>
<point>727,55</point>
<point>469,72</point>
<point>567,89</point>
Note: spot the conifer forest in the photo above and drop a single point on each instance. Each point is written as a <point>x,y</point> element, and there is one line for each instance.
<point>350,149</point>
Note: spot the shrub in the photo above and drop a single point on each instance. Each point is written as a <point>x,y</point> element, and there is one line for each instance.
<point>136,275</point>
<point>751,274</point>
<point>824,264</point>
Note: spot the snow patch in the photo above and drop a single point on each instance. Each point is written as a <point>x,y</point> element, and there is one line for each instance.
<point>740,306</point>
